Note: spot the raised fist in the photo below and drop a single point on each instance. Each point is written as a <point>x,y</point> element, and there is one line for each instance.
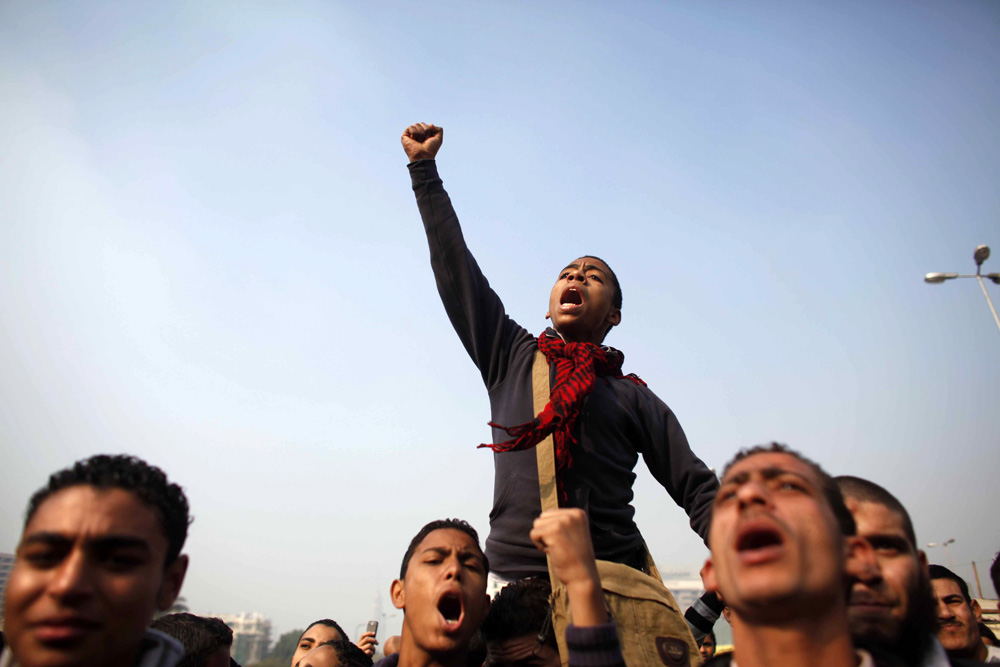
<point>422,141</point>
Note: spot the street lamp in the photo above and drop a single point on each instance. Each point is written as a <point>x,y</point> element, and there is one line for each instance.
<point>944,544</point>
<point>981,254</point>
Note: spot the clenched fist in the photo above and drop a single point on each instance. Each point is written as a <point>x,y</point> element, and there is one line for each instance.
<point>422,141</point>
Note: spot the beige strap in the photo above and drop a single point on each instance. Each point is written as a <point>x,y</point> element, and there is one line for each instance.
<point>545,450</point>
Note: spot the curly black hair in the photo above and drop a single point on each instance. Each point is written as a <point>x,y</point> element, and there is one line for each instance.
<point>201,636</point>
<point>521,608</point>
<point>120,471</point>
<point>454,524</point>
<point>348,655</point>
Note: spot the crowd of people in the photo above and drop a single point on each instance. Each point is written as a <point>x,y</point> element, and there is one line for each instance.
<point>806,568</point>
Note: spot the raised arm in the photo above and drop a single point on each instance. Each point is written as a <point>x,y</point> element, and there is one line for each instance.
<point>475,311</point>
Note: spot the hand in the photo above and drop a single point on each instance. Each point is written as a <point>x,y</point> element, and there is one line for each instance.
<point>367,643</point>
<point>422,141</point>
<point>564,535</point>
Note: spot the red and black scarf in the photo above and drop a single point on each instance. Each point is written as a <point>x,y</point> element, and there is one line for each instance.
<point>577,367</point>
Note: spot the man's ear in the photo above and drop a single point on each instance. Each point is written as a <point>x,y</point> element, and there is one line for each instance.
<point>977,610</point>
<point>173,579</point>
<point>614,318</point>
<point>397,592</point>
<point>922,559</point>
<point>708,577</point>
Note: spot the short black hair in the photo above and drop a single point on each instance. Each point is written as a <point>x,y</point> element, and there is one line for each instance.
<point>148,483</point>
<point>521,608</point>
<point>616,298</point>
<point>828,486</point>
<point>941,572</point>
<point>454,524</point>
<point>868,491</point>
<point>328,622</point>
<point>201,636</point>
<point>348,655</point>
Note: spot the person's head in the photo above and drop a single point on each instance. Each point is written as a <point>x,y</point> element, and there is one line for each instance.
<point>335,653</point>
<point>99,553</point>
<point>442,590</point>
<point>891,605</point>
<point>206,640</point>
<point>958,615</point>
<point>391,645</point>
<point>987,635</point>
<point>995,573</point>
<point>586,301</point>
<point>518,629</point>
<point>781,539</point>
<point>707,646</point>
<point>323,630</point>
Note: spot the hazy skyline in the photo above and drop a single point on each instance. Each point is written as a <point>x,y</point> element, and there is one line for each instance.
<point>212,258</point>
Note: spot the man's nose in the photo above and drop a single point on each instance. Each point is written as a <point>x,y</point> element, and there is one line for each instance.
<point>863,566</point>
<point>944,612</point>
<point>752,492</point>
<point>73,578</point>
<point>453,569</point>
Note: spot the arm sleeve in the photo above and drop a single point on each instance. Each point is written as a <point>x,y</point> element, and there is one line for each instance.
<point>475,310</point>
<point>669,458</point>
<point>702,615</point>
<point>594,646</point>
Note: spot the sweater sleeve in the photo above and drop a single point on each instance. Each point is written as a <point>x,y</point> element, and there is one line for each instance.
<point>594,646</point>
<point>475,310</point>
<point>667,454</point>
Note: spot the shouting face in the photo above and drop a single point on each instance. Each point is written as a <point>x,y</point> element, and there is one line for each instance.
<point>775,542</point>
<point>443,596</point>
<point>581,305</point>
<point>88,576</point>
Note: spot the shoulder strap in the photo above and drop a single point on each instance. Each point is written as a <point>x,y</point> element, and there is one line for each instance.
<point>546,458</point>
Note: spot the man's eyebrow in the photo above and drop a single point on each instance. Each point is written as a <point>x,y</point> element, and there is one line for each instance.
<point>586,267</point>
<point>880,540</point>
<point>767,473</point>
<point>103,542</point>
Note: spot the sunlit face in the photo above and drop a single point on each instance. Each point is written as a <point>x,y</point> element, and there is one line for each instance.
<point>958,620</point>
<point>774,538</point>
<point>88,575</point>
<point>882,598</point>
<point>581,304</point>
<point>444,594</point>
<point>522,651</point>
<point>314,635</point>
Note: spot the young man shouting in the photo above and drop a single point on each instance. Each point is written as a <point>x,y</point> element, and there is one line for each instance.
<point>601,420</point>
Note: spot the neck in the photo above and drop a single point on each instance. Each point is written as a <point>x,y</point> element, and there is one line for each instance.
<point>797,642</point>
<point>977,652</point>
<point>412,655</point>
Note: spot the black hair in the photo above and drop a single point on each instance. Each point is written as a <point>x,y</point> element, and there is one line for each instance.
<point>521,608</point>
<point>148,483</point>
<point>328,622</point>
<point>995,573</point>
<point>348,655</point>
<point>200,635</point>
<point>616,298</point>
<point>454,524</point>
<point>868,491</point>
<point>829,488</point>
<point>941,572</point>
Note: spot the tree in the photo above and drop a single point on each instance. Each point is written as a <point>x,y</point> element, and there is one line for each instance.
<point>285,647</point>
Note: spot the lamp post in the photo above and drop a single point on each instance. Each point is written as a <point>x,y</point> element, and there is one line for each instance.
<point>947,553</point>
<point>981,254</point>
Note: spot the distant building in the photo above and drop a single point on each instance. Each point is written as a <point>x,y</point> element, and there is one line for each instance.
<point>685,587</point>
<point>6,563</point>
<point>251,636</point>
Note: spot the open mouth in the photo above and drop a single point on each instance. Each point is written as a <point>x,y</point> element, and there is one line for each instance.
<point>571,297</point>
<point>759,543</point>
<point>450,608</point>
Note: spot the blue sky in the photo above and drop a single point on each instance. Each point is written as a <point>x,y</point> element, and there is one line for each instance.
<point>211,257</point>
